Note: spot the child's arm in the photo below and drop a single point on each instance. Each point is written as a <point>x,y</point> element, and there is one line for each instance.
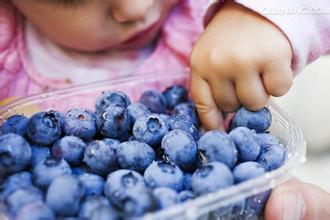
<point>242,58</point>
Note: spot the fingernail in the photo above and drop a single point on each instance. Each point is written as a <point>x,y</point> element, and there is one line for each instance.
<point>292,206</point>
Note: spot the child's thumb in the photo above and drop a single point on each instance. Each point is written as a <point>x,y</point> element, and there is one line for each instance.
<point>296,200</point>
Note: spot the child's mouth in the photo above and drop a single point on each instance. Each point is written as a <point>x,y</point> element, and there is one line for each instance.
<point>141,36</point>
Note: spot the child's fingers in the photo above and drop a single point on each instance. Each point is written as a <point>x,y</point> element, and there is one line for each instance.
<point>209,114</point>
<point>225,95</point>
<point>251,92</point>
<point>277,78</point>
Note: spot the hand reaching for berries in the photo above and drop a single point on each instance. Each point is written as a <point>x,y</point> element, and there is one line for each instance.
<point>240,59</point>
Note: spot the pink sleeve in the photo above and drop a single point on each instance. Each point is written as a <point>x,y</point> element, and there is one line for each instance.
<point>306,23</point>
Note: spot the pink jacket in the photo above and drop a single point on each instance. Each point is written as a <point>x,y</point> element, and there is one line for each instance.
<point>305,23</point>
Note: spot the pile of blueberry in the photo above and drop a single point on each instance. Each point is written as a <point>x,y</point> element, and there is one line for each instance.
<point>126,159</point>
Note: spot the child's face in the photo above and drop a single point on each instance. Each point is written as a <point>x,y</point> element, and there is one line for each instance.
<point>97,25</point>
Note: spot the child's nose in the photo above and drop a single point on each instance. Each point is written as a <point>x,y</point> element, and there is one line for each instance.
<point>131,10</point>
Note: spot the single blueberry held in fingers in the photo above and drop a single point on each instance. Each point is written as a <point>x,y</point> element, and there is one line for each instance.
<point>81,123</point>
<point>246,143</point>
<point>164,174</point>
<point>150,129</point>
<point>217,146</point>
<point>16,124</point>
<point>135,155</point>
<point>259,121</point>
<point>15,153</point>
<point>211,177</point>
<point>175,95</point>
<point>154,100</point>
<point>100,157</point>
<point>44,128</point>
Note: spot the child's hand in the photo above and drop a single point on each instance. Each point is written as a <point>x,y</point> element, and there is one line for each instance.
<point>240,59</point>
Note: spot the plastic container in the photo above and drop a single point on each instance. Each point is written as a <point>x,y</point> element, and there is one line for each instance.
<point>230,203</point>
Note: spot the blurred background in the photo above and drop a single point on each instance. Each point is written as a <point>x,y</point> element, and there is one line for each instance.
<point>308,104</point>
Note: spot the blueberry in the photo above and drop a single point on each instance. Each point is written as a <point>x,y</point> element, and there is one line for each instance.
<point>76,171</point>
<point>255,204</point>
<point>272,156</point>
<point>246,143</point>
<point>92,183</point>
<point>15,153</point>
<point>187,181</point>
<point>80,123</point>
<point>135,155</point>
<point>49,169</point>
<point>39,153</point>
<point>247,170</point>
<point>22,196</point>
<point>16,181</point>
<point>35,211</point>
<point>189,109</point>
<point>211,177</point>
<point>113,143</point>
<point>150,129</point>
<point>186,195</point>
<point>136,110</point>
<point>91,203</point>
<point>70,148</point>
<point>44,128</point>
<point>183,122</point>
<point>112,98</point>
<point>266,139</point>
<point>180,148</point>
<point>258,121</point>
<point>164,174</point>
<point>165,197</point>
<point>100,157</point>
<point>217,146</point>
<point>64,195</point>
<point>137,201</point>
<point>154,100</point>
<point>114,122</point>
<point>119,182</point>
<point>175,95</point>
<point>16,124</point>
<point>104,212</point>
